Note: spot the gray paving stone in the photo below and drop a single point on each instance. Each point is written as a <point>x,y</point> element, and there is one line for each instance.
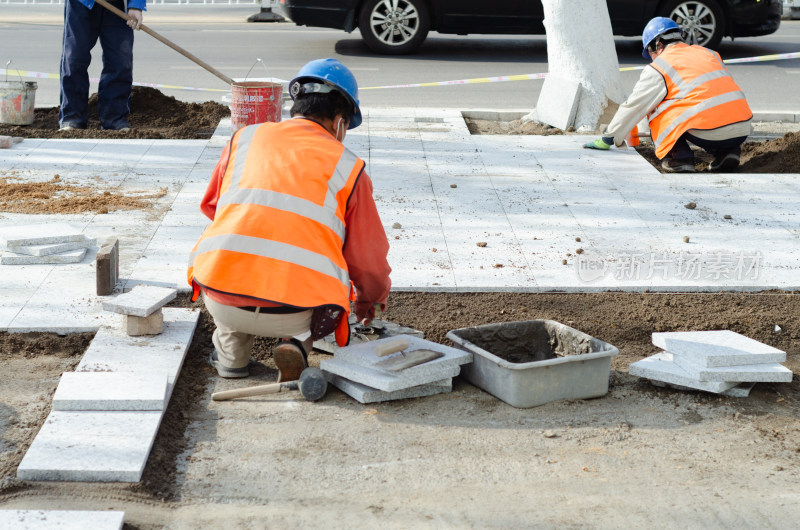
<point>61,519</point>
<point>38,234</point>
<point>140,301</point>
<point>91,447</point>
<point>112,350</point>
<point>718,348</point>
<point>756,373</point>
<point>72,256</point>
<point>111,391</point>
<point>55,248</point>
<point>558,101</point>
<point>384,381</point>
<point>659,367</point>
<point>365,394</point>
<point>357,363</point>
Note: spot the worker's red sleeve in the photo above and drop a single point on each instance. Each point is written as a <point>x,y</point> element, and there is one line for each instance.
<point>365,249</point>
<point>209,203</point>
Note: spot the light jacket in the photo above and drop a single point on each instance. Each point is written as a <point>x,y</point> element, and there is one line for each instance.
<point>701,94</point>
<point>279,225</point>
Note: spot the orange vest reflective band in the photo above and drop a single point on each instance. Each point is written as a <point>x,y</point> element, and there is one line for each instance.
<point>701,94</point>
<point>279,227</point>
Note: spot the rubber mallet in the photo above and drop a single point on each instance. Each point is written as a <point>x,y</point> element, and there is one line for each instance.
<point>312,386</point>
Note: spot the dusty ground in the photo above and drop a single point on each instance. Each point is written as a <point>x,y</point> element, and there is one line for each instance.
<point>640,456</point>
<point>759,155</point>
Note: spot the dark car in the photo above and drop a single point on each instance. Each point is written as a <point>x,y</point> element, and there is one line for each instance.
<point>400,26</point>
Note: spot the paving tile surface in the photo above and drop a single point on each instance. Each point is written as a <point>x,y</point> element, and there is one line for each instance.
<point>111,391</point>
<point>61,519</point>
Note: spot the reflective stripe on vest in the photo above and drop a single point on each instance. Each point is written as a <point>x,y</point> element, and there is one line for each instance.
<point>694,97</point>
<point>281,201</point>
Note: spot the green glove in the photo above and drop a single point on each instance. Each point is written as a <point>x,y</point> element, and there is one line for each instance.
<point>598,144</point>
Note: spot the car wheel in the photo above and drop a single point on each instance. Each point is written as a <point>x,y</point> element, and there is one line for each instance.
<point>701,20</point>
<point>394,26</point>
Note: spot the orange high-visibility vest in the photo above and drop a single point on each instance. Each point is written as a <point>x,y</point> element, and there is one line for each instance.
<point>701,94</point>
<point>279,227</point>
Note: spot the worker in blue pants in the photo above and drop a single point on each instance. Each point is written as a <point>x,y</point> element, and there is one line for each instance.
<point>84,23</point>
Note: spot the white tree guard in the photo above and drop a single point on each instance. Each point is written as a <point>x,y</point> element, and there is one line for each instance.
<point>580,46</point>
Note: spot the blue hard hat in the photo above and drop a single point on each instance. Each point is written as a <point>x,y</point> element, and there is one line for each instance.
<point>333,73</point>
<point>654,28</point>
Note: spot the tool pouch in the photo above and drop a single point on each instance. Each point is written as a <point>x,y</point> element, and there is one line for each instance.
<point>324,320</point>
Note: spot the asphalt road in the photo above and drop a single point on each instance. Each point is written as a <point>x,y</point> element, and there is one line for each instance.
<point>31,36</point>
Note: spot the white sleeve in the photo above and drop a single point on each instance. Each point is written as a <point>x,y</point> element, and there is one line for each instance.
<point>649,91</point>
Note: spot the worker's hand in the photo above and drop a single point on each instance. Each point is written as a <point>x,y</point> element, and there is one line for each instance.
<point>136,21</point>
<point>365,312</point>
<point>603,144</point>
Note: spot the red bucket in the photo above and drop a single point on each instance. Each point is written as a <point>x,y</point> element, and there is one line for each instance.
<point>254,102</point>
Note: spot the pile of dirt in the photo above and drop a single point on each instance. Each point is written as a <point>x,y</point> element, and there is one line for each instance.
<point>779,155</point>
<point>57,197</point>
<point>153,115</point>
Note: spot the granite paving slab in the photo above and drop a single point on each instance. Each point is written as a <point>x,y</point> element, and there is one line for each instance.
<point>111,391</point>
<point>91,447</point>
<point>53,248</point>
<point>61,519</point>
<point>718,348</point>
<point>386,381</point>
<point>659,367</point>
<point>141,301</point>
<point>38,234</point>
<point>756,373</point>
<point>365,394</point>
<point>70,256</point>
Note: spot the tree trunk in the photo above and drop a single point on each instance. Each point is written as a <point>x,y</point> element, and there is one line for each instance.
<point>580,48</point>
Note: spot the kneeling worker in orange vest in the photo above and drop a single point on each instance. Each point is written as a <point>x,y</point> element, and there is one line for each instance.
<point>687,95</point>
<point>293,224</point>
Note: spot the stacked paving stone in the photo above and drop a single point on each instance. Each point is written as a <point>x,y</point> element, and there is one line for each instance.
<point>353,370</point>
<point>722,362</point>
<point>107,413</point>
<point>50,243</point>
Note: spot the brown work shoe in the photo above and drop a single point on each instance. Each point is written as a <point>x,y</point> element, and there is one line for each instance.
<point>290,359</point>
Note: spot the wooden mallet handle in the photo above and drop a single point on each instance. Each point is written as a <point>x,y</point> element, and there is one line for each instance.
<point>381,350</point>
<point>260,390</point>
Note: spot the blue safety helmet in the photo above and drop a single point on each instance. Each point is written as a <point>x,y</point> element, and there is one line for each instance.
<point>335,75</point>
<point>654,28</point>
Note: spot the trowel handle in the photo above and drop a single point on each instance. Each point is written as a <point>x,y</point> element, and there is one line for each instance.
<point>384,349</point>
<point>259,390</point>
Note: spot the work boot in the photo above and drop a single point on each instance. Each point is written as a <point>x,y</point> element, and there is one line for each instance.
<point>224,371</point>
<point>290,358</point>
<point>70,127</point>
<point>725,162</point>
<point>683,165</point>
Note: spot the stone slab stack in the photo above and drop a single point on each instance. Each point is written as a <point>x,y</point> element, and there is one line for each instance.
<point>141,308</point>
<point>353,370</point>
<point>721,362</point>
<point>43,244</point>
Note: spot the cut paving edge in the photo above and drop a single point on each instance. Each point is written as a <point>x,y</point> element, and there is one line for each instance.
<point>61,519</point>
<point>111,445</point>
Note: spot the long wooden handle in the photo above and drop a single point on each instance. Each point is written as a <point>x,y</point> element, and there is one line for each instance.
<point>260,390</point>
<point>382,350</point>
<point>167,42</point>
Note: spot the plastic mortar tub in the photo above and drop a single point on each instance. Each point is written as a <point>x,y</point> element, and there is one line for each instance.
<point>533,362</point>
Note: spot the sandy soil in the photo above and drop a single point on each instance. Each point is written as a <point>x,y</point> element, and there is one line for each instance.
<point>640,456</point>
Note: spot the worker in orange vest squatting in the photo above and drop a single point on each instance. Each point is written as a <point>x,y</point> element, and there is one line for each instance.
<point>688,96</point>
<point>295,235</point>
